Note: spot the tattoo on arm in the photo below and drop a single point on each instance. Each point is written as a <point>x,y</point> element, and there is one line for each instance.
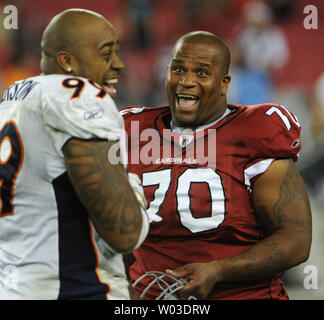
<point>291,190</point>
<point>103,188</point>
<point>288,213</point>
<point>291,194</point>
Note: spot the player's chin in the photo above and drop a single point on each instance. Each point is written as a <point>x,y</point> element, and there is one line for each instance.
<point>184,119</point>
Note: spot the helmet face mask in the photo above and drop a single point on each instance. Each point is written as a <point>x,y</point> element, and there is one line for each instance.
<point>167,284</point>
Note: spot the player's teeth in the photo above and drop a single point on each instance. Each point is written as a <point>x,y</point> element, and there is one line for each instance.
<point>186,102</point>
<point>187,97</point>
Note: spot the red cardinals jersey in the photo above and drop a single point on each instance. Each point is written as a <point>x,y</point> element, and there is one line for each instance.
<point>200,184</point>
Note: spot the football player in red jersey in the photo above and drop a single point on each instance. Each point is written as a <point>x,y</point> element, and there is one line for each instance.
<point>233,221</point>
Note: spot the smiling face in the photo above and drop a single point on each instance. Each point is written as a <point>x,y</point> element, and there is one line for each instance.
<point>99,60</point>
<point>196,83</point>
<point>87,44</point>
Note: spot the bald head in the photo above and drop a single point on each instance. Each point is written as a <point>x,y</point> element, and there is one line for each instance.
<point>71,31</point>
<point>64,30</point>
<point>210,39</point>
<point>82,43</point>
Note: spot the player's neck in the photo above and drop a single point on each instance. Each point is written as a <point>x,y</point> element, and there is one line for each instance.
<point>174,128</point>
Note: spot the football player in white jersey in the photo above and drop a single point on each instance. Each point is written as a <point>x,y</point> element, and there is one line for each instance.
<point>66,211</point>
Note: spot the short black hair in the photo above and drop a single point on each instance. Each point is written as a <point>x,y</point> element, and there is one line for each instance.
<point>209,38</point>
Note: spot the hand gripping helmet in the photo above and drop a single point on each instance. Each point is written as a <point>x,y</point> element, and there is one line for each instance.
<point>167,284</point>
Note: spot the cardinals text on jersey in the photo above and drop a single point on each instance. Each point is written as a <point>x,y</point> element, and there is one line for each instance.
<point>206,208</point>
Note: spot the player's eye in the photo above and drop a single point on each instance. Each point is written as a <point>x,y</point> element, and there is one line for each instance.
<point>177,69</point>
<point>202,73</point>
<point>107,56</point>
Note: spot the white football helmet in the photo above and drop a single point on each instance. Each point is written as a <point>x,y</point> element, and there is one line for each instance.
<point>168,285</point>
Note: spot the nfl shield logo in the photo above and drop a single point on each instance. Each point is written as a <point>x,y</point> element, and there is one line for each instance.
<point>185,140</point>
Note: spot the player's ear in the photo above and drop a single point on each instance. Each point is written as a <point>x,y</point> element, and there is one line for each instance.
<point>225,84</point>
<point>67,62</point>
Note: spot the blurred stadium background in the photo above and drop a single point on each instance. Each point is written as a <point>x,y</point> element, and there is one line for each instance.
<point>274,59</point>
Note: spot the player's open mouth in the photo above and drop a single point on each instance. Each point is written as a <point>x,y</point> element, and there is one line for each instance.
<point>110,86</point>
<point>187,102</point>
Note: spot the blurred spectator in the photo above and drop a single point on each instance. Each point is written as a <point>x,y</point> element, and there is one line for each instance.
<point>282,9</point>
<point>210,15</point>
<point>249,85</point>
<point>313,172</point>
<point>140,14</point>
<point>262,44</point>
<point>259,52</point>
<point>160,69</point>
<point>317,110</point>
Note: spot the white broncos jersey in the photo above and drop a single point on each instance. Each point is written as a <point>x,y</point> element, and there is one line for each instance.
<point>49,248</point>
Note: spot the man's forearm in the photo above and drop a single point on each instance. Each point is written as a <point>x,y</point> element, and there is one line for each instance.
<point>275,253</point>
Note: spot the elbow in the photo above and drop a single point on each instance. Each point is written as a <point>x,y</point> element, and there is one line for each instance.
<point>127,244</point>
<point>124,246</point>
<point>301,257</point>
<point>303,251</point>
<point>305,254</point>
<point>124,243</point>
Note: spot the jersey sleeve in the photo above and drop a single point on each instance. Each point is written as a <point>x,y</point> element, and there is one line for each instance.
<point>82,114</point>
<point>272,131</point>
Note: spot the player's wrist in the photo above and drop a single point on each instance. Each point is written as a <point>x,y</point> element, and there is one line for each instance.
<point>218,273</point>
